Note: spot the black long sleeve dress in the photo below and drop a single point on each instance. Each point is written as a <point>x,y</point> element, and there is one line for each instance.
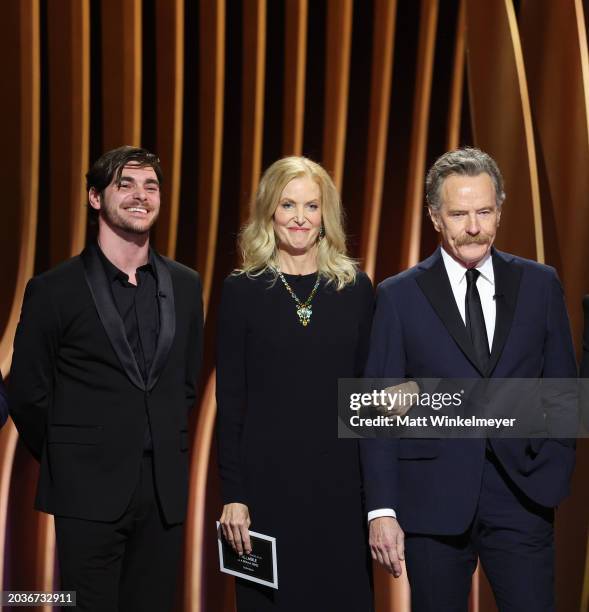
<point>277,437</point>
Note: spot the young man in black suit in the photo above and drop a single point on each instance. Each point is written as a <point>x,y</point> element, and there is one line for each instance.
<point>104,373</point>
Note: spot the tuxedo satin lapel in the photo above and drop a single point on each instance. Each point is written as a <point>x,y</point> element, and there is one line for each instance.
<point>167,320</point>
<point>436,287</point>
<point>109,315</point>
<point>507,281</point>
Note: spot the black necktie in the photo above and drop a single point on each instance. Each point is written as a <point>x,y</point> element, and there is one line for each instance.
<point>475,320</point>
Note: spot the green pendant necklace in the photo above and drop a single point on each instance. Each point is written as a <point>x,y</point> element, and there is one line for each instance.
<point>304,309</point>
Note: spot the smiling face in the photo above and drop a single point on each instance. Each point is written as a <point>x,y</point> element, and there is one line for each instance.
<point>132,205</point>
<point>468,217</point>
<point>297,219</point>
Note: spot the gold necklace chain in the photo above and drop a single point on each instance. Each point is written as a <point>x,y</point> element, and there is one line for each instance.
<point>304,309</point>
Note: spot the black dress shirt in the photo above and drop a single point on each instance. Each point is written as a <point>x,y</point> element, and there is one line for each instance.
<point>138,307</point>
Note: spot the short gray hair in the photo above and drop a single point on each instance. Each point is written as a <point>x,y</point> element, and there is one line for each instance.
<point>467,161</point>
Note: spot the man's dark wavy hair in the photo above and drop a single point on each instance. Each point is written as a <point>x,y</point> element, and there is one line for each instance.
<point>109,167</point>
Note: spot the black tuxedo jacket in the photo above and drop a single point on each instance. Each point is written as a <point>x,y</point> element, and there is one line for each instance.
<point>79,401</point>
<point>417,331</point>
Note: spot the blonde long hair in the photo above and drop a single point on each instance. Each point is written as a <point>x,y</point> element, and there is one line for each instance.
<point>257,240</point>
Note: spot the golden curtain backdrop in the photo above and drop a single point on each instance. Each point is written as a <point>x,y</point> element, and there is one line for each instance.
<point>374,90</point>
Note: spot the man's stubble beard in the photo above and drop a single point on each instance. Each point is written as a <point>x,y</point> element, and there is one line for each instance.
<point>117,221</point>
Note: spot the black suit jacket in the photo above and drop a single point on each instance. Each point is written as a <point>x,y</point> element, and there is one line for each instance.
<point>3,403</point>
<point>79,401</point>
<point>417,331</point>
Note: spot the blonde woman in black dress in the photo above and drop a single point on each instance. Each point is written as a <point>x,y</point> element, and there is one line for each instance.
<point>294,318</point>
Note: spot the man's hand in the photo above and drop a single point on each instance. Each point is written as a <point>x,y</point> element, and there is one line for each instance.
<point>235,522</point>
<point>404,394</point>
<point>387,543</point>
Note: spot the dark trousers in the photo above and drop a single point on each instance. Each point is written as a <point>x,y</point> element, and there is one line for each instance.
<point>129,565</point>
<point>512,536</point>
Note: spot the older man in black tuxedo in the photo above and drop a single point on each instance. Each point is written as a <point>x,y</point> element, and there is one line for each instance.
<point>469,311</point>
<point>106,358</point>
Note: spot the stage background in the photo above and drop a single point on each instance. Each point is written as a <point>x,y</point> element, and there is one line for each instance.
<point>372,89</point>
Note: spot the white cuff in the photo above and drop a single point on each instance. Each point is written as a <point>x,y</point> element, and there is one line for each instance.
<point>381,512</point>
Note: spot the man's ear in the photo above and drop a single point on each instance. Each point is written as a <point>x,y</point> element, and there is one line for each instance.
<point>94,198</point>
<point>435,217</point>
<point>498,216</point>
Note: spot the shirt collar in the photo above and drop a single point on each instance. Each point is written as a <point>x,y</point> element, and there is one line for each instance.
<point>457,272</point>
<point>113,273</point>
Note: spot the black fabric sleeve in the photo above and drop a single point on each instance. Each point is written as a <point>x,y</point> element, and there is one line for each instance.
<point>231,388</point>
<point>194,349</point>
<point>366,310</point>
<point>33,365</point>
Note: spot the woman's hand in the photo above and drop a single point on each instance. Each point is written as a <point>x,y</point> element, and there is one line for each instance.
<point>235,522</point>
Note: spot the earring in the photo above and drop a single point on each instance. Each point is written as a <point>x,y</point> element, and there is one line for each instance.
<point>321,232</point>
